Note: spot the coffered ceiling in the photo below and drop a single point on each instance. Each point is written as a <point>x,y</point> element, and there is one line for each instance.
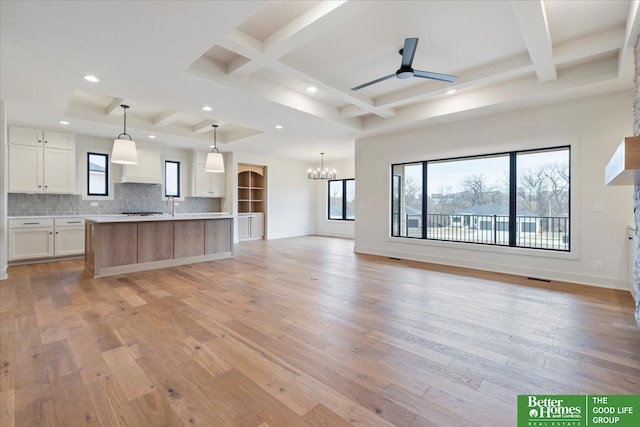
<point>252,62</point>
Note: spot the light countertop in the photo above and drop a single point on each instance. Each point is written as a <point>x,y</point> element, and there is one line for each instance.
<point>165,217</point>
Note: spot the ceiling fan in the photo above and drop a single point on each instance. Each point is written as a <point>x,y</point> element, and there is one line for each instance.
<point>405,71</point>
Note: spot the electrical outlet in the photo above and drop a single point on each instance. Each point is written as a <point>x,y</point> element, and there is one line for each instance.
<point>176,204</point>
<point>598,207</point>
<point>94,203</point>
<point>597,265</point>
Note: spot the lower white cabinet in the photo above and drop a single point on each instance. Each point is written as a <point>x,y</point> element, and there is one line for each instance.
<point>28,243</point>
<point>45,238</point>
<point>251,226</point>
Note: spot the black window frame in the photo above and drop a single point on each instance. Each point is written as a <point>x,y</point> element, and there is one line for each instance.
<point>165,178</point>
<point>344,199</point>
<point>513,199</point>
<point>106,174</point>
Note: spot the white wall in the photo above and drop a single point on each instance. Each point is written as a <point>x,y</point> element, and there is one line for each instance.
<point>3,192</point>
<point>290,195</point>
<point>324,226</point>
<point>594,127</point>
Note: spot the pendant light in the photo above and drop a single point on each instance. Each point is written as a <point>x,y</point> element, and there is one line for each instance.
<point>215,161</point>
<point>124,150</point>
<point>321,172</point>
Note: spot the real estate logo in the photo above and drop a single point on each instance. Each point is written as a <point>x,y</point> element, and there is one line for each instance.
<point>578,410</point>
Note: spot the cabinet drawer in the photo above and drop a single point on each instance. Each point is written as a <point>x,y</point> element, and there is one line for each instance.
<point>30,223</point>
<point>68,222</point>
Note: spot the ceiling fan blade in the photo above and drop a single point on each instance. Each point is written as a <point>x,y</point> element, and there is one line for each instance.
<point>409,51</point>
<point>381,79</point>
<point>435,76</point>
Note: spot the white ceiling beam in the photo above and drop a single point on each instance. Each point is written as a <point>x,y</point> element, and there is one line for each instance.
<point>203,126</point>
<point>493,73</point>
<point>166,118</point>
<point>283,41</point>
<point>532,20</point>
<point>332,87</point>
<point>503,71</point>
<point>114,107</point>
<point>242,44</point>
<point>598,75</point>
<point>626,66</point>
<point>587,47</point>
<point>272,92</point>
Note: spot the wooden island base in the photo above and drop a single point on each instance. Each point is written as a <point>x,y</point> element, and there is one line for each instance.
<point>119,246</point>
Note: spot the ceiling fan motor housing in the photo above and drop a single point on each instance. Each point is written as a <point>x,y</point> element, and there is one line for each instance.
<point>404,73</point>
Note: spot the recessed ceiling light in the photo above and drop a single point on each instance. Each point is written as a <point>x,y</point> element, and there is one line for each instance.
<point>207,108</point>
<point>152,136</point>
<point>92,79</point>
<point>62,122</point>
<point>451,91</point>
<point>278,126</point>
<point>312,89</point>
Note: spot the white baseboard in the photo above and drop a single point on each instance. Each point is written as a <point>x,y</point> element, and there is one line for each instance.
<point>582,279</point>
<point>340,235</point>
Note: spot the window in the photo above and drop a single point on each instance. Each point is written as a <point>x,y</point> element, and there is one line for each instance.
<point>341,199</point>
<point>171,179</point>
<point>98,174</point>
<point>517,199</point>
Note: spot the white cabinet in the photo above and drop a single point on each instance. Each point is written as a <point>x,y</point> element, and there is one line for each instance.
<point>26,169</point>
<point>207,184</point>
<point>251,226</point>
<point>59,171</point>
<point>147,171</point>
<point>41,161</point>
<point>45,238</point>
<point>68,236</point>
<point>41,138</point>
<point>30,238</point>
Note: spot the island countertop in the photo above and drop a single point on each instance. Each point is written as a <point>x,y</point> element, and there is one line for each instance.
<point>119,244</point>
<point>102,219</point>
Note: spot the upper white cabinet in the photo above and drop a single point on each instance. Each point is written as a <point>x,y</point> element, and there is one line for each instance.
<point>207,184</point>
<point>147,171</point>
<point>41,161</point>
<point>41,138</point>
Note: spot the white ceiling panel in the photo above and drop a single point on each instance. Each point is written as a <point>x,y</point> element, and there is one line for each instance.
<point>251,61</point>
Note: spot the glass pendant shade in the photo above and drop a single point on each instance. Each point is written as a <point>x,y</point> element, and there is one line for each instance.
<point>215,163</point>
<point>124,152</point>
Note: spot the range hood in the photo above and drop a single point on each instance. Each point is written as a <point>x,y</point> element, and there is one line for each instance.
<point>624,166</point>
<point>147,171</point>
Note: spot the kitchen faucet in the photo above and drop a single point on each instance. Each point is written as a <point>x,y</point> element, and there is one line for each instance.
<point>173,205</point>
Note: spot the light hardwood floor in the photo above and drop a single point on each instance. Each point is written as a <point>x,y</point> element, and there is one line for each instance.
<point>302,332</point>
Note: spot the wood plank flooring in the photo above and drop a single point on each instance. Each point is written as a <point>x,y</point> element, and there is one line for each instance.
<point>302,332</point>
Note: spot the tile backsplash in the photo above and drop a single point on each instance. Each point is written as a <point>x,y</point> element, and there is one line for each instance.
<point>127,198</point>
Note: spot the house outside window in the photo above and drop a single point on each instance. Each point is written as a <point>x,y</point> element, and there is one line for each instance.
<point>97,174</point>
<point>516,199</point>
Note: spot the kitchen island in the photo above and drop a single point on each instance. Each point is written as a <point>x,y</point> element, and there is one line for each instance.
<point>118,244</point>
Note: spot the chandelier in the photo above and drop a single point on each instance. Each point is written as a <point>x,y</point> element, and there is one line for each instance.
<point>321,172</point>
